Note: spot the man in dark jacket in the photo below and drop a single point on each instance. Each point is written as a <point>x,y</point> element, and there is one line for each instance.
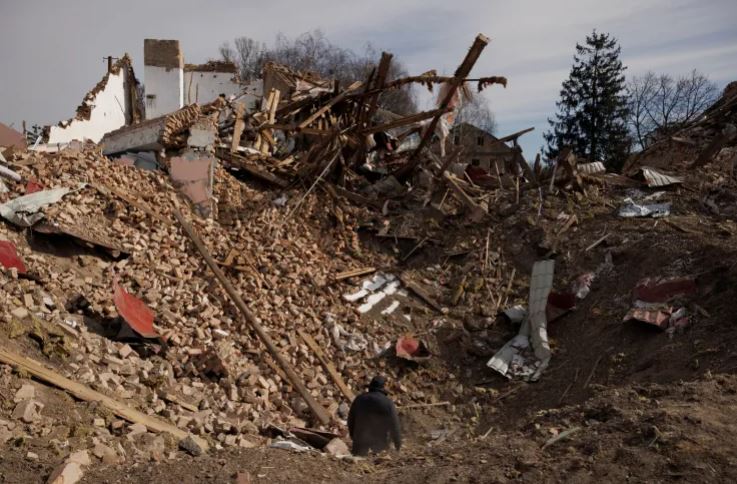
<point>373,420</point>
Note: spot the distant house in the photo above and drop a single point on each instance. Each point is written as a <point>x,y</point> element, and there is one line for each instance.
<point>480,148</point>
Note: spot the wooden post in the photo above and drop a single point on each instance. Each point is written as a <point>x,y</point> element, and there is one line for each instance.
<point>83,392</point>
<point>329,367</point>
<point>461,73</point>
<point>380,80</point>
<point>321,414</point>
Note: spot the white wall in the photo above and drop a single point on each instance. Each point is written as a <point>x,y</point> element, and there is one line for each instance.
<point>108,113</point>
<point>166,84</point>
<point>205,86</point>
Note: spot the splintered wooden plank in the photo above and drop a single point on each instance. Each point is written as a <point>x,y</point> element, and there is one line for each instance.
<point>461,73</point>
<point>422,293</point>
<point>83,392</point>
<point>329,367</point>
<point>352,88</point>
<point>354,273</point>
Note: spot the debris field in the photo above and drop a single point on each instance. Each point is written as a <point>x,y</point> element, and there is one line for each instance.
<point>213,317</point>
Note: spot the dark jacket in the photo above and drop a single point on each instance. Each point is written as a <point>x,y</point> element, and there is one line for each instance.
<point>372,421</point>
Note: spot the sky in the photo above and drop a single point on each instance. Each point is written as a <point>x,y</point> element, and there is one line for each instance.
<point>52,51</point>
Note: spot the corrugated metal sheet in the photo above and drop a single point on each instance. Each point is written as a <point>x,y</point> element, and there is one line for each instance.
<point>25,211</point>
<point>592,168</point>
<point>654,178</point>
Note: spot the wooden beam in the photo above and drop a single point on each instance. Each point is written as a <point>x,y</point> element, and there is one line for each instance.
<point>329,367</point>
<point>419,291</point>
<point>329,105</point>
<point>514,136</point>
<point>379,81</point>
<point>354,273</point>
<point>477,211</point>
<point>461,73</point>
<point>320,412</point>
<point>108,190</point>
<point>240,125</point>
<point>83,392</point>
<point>398,123</point>
<point>237,161</point>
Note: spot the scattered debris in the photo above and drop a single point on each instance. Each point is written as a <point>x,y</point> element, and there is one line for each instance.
<point>409,348</point>
<point>527,355</point>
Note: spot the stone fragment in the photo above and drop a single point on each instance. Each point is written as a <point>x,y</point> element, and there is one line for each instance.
<point>337,448</point>
<point>20,312</point>
<point>26,392</point>
<point>66,473</point>
<point>28,411</point>
<point>136,429</point>
<point>190,445</point>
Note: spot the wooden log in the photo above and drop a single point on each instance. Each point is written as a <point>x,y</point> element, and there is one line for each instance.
<point>320,412</point>
<point>83,392</point>
<point>329,367</point>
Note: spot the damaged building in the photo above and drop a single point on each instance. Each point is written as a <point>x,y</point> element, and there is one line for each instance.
<point>229,265</point>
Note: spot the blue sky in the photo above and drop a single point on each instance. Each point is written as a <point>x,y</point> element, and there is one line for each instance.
<point>52,50</point>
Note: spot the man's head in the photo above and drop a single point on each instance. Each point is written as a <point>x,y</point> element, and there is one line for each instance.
<point>377,384</point>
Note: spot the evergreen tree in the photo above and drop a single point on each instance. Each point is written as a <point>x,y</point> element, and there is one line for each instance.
<point>592,111</point>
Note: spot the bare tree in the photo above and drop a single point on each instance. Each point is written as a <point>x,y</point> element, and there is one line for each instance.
<point>659,105</point>
<point>476,111</point>
<point>248,55</point>
<point>313,52</point>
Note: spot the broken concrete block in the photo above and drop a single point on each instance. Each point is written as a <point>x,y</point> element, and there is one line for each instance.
<point>26,392</point>
<point>66,473</point>
<point>337,448</point>
<point>202,134</point>
<point>28,411</point>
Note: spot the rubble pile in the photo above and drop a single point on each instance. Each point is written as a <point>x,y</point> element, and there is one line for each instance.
<point>340,248</point>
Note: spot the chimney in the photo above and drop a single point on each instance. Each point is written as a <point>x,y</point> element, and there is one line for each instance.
<point>163,76</point>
